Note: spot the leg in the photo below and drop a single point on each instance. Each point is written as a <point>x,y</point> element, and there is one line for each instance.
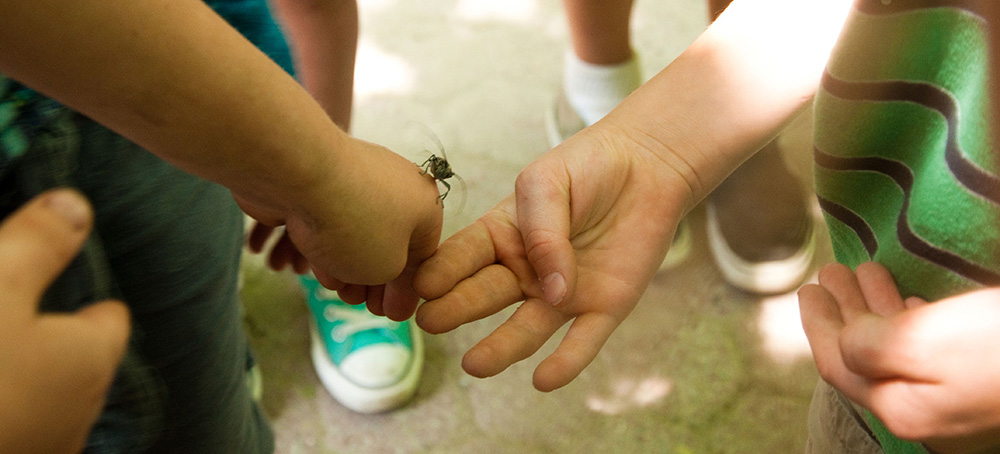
<point>760,231</point>
<point>716,7</point>
<point>325,37</point>
<point>599,30</point>
<point>600,70</point>
<point>173,243</point>
<point>447,189</point>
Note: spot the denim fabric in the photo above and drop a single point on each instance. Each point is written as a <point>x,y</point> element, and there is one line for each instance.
<point>168,244</point>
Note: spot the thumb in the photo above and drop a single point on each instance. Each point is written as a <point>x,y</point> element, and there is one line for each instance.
<point>108,321</point>
<point>543,217</point>
<point>37,242</point>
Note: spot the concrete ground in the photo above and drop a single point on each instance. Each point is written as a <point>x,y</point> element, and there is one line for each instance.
<point>699,367</point>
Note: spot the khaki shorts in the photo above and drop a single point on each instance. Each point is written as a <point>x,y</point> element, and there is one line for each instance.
<point>836,425</point>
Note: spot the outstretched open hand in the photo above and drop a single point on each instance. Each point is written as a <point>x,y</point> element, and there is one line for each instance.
<point>580,239</point>
<point>929,372</point>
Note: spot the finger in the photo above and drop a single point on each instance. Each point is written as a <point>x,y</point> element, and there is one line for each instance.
<point>104,326</point>
<point>83,350</point>
<point>487,292</point>
<point>300,264</point>
<point>879,289</point>
<point>400,300</point>
<point>821,320</point>
<point>282,253</point>
<point>875,348</point>
<point>842,284</point>
<point>582,343</point>
<point>543,216</point>
<point>258,236</point>
<point>516,339</point>
<point>326,280</point>
<point>374,299</point>
<point>914,302</point>
<point>456,258</point>
<point>823,323</point>
<point>353,294</point>
<point>37,242</point>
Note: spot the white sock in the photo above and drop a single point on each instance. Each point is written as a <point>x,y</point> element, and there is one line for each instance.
<point>593,90</point>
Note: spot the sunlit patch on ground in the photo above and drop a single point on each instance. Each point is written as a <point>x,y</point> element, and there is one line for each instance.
<point>514,11</point>
<point>380,73</point>
<point>630,393</point>
<point>780,329</point>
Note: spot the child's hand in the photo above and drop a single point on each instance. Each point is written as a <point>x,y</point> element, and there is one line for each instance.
<point>54,368</point>
<point>579,240</point>
<point>373,221</point>
<point>930,372</point>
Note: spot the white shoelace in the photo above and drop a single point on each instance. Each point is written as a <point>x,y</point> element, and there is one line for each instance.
<point>352,320</point>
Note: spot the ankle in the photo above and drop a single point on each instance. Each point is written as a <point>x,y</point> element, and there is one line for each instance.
<point>594,90</point>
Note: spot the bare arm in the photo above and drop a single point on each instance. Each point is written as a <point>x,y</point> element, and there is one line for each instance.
<point>174,77</point>
<point>734,88</point>
<point>177,79</point>
<point>590,221</point>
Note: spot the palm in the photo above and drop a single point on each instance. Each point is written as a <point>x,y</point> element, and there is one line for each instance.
<point>924,369</point>
<point>614,237</point>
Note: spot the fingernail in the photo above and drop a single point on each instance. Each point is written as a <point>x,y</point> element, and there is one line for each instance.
<point>71,207</point>
<point>554,288</point>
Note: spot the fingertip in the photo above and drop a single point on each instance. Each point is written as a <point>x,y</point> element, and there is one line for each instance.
<point>554,288</point>
<point>376,308</point>
<point>352,294</point>
<point>397,314</point>
<point>327,281</point>
<point>810,294</point>
<point>425,280</point>
<point>300,265</point>
<point>425,321</point>
<point>257,237</point>
<point>553,374</point>
<point>871,267</point>
<point>914,302</point>
<point>543,383</point>
<point>38,241</point>
<point>832,271</point>
<point>478,362</point>
<point>818,310</point>
<point>71,206</point>
<point>429,317</point>
<point>398,300</point>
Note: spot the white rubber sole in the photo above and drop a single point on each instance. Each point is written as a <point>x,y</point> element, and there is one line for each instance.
<point>362,399</point>
<point>773,277</point>
<point>680,247</point>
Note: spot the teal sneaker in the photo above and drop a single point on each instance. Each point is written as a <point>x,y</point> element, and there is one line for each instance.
<point>370,364</point>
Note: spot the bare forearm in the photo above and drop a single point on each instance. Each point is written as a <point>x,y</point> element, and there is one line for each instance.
<point>734,88</point>
<point>172,76</point>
